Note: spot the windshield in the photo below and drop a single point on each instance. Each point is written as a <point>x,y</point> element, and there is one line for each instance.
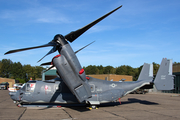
<point>23,87</point>
<point>30,87</point>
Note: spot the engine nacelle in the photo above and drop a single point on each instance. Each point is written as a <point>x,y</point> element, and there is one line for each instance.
<point>73,79</point>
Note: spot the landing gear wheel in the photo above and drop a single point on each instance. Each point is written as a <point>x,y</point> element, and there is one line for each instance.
<point>93,107</point>
<point>19,105</point>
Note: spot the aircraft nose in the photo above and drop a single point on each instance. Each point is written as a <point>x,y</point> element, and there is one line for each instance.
<point>14,96</point>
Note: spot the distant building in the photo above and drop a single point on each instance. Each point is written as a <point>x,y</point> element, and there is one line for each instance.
<point>50,74</point>
<point>10,81</point>
<point>176,72</point>
<point>176,68</point>
<point>113,77</point>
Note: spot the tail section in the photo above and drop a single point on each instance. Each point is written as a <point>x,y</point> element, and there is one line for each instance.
<point>164,79</point>
<point>145,79</point>
<point>146,72</point>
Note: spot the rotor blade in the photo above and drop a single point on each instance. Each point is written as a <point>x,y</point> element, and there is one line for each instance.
<point>51,51</point>
<point>49,68</point>
<point>84,47</point>
<point>75,34</point>
<point>47,63</point>
<point>23,49</point>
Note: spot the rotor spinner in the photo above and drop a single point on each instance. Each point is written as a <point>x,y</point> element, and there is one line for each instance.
<point>60,39</point>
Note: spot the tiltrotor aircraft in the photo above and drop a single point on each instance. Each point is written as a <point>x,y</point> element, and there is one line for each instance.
<point>73,86</point>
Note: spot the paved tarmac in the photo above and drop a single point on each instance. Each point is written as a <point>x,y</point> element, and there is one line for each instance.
<point>133,107</point>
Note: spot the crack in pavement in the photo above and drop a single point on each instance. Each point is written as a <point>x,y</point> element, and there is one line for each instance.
<point>71,118</point>
<point>22,114</point>
<point>115,114</point>
<point>4,100</point>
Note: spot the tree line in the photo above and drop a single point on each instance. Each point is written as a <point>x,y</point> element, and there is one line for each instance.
<point>121,70</point>
<point>23,73</point>
<point>17,71</point>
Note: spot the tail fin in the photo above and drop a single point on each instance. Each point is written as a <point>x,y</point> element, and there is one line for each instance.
<point>164,79</point>
<point>146,72</point>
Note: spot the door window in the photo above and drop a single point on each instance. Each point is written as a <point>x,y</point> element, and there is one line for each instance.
<point>92,87</point>
<point>30,87</point>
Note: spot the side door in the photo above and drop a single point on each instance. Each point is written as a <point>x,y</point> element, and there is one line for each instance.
<point>94,98</point>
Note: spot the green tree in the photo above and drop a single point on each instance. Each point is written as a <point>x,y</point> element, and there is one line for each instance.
<point>136,74</point>
<point>155,68</point>
<point>17,71</point>
<point>28,72</point>
<point>20,72</point>
<point>121,70</point>
<point>108,70</point>
<point>113,71</point>
<point>101,69</point>
<point>39,70</point>
<point>0,67</point>
<point>6,66</point>
<point>91,70</point>
<point>128,70</point>
<point>21,80</point>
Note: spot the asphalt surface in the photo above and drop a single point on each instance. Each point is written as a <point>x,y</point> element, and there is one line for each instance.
<point>133,107</point>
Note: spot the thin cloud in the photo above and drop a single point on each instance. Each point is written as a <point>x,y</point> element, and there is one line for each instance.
<point>114,59</point>
<point>42,14</point>
<point>131,45</point>
<point>100,28</point>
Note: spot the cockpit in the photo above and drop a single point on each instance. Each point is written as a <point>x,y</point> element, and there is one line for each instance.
<point>29,86</point>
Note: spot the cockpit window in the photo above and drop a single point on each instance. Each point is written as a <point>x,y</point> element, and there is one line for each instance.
<point>23,87</point>
<point>30,87</point>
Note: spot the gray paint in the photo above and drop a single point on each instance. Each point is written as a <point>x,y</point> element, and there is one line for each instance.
<point>164,78</point>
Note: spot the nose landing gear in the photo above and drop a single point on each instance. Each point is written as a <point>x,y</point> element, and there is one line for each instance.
<point>93,107</point>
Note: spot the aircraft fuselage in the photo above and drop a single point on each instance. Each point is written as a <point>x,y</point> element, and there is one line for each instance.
<point>56,91</point>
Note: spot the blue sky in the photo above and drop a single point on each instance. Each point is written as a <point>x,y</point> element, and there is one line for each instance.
<point>141,31</point>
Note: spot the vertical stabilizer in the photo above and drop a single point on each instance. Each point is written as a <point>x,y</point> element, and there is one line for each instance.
<point>146,72</point>
<point>164,79</point>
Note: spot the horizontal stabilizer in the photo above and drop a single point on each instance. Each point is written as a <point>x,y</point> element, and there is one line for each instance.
<point>146,72</point>
<point>164,79</point>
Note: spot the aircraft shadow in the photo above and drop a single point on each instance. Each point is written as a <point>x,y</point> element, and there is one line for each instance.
<point>80,109</point>
<point>44,106</point>
<point>130,101</point>
<point>134,100</point>
<point>84,107</point>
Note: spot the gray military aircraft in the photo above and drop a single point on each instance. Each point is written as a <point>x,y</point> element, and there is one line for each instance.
<point>73,86</point>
